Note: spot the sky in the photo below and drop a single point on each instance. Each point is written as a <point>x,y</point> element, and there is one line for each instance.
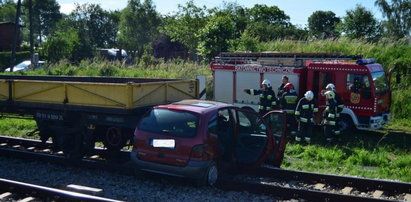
<point>297,10</point>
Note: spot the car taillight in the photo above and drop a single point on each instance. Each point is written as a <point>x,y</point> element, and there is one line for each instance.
<point>198,151</point>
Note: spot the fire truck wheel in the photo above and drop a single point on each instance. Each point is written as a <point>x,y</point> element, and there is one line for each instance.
<point>346,125</point>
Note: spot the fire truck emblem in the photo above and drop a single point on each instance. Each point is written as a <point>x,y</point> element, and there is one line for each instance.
<point>355,98</point>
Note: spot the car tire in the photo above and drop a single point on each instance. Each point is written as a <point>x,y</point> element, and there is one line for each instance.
<point>210,176</point>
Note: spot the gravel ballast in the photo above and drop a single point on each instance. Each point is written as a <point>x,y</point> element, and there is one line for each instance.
<point>137,187</point>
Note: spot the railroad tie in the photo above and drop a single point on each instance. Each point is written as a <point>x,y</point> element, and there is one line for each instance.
<point>377,193</point>
<point>407,197</point>
<point>5,195</point>
<point>319,186</point>
<point>27,199</point>
<point>347,190</point>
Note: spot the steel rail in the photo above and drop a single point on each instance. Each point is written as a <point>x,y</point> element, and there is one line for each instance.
<point>47,193</point>
<point>335,180</point>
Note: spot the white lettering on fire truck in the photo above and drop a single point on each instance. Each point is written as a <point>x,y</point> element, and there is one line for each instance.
<point>263,69</point>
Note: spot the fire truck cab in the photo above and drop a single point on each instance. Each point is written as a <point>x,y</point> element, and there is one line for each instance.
<point>361,83</point>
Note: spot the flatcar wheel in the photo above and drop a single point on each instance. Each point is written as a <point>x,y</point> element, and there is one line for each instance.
<point>114,139</point>
<point>70,144</point>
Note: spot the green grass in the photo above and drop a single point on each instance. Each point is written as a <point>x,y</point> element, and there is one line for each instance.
<point>366,154</point>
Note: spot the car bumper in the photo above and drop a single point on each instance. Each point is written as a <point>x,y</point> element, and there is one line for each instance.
<point>194,169</point>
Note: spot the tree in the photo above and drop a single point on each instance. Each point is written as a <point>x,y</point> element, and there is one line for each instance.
<point>95,25</point>
<point>398,15</point>
<point>237,13</point>
<point>269,23</point>
<point>215,36</point>
<point>7,11</point>
<point>185,25</point>
<point>62,45</point>
<point>46,14</point>
<point>138,26</point>
<point>322,24</point>
<point>361,24</point>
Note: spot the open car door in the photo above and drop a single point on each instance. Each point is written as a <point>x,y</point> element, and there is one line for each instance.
<point>253,139</point>
<point>276,121</point>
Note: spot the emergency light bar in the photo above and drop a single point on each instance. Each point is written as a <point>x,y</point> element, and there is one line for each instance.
<point>365,61</point>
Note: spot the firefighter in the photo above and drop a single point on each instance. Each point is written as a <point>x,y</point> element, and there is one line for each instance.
<point>304,114</point>
<point>340,107</point>
<point>288,101</point>
<point>284,80</point>
<point>329,115</point>
<point>268,101</point>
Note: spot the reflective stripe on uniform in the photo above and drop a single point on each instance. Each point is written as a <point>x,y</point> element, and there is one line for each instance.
<point>269,97</point>
<point>331,115</point>
<point>260,107</point>
<point>305,106</point>
<point>340,106</point>
<point>331,123</point>
<point>315,109</point>
<point>304,120</point>
<point>297,113</point>
<point>261,95</point>
<point>290,99</point>
<point>337,115</point>
<point>251,91</point>
<point>307,139</point>
<point>312,106</point>
<point>273,103</point>
<point>337,132</point>
<point>267,108</point>
<point>298,139</point>
<point>289,111</point>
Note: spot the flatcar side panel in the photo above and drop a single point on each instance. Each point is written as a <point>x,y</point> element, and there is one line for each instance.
<point>97,94</point>
<point>163,92</point>
<point>37,91</point>
<point>4,90</point>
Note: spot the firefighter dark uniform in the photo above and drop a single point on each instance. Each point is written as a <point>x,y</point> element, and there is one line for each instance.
<point>304,114</point>
<point>268,101</point>
<point>288,103</point>
<point>340,107</point>
<point>329,116</point>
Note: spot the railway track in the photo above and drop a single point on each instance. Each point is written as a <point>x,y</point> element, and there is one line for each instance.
<point>284,184</point>
<point>11,190</point>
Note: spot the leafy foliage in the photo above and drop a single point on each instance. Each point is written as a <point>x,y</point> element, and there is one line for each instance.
<point>61,46</point>
<point>138,26</point>
<point>322,24</point>
<point>214,37</point>
<point>7,11</point>
<point>361,24</point>
<point>398,14</point>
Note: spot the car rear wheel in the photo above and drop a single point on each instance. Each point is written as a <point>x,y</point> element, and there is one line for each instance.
<point>210,177</point>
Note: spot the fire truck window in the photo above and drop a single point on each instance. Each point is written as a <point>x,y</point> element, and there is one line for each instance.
<point>326,78</point>
<point>359,83</point>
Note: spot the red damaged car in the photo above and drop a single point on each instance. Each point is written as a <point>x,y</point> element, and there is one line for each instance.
<point>199,139</point>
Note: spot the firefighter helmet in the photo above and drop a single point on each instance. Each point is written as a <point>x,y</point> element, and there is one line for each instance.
<point>309,95</point>
<point>266,82</point>
<point>288,86</point>
<point>331,86</point>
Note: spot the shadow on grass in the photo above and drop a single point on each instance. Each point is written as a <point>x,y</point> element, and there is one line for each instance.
<point>368,140</point>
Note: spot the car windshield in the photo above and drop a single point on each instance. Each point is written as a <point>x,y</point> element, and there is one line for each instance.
<point>380,82</point>
<point>171,122</point>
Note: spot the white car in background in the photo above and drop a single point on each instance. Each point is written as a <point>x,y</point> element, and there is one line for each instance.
<point>25,66</point>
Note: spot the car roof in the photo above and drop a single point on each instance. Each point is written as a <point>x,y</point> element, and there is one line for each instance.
<point>197,106</point>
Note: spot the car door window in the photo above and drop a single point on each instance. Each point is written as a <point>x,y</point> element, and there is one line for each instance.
<point>252,138</point>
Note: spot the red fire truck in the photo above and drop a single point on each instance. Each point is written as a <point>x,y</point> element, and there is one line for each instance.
<point>361,83</point>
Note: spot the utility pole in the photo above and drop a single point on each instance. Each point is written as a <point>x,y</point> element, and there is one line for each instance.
<point>15,36</point>
<point>33,62</point>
